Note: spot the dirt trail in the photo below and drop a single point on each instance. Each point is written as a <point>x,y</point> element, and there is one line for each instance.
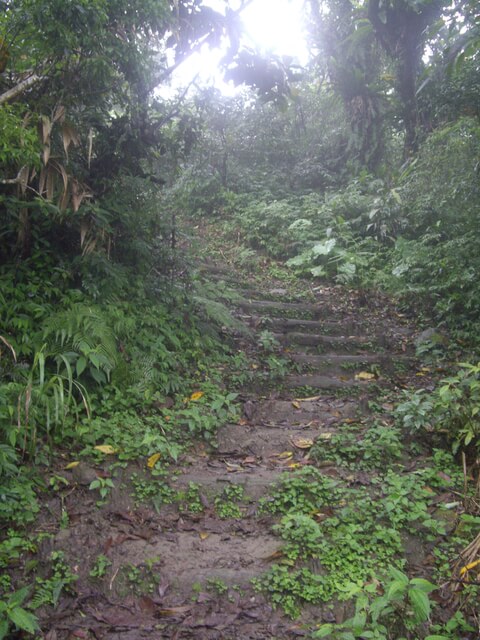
<point>205,563</point>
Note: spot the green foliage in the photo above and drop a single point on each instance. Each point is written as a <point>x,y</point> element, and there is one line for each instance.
<point>154,490</point>
<point>48,589</point>
<point>302,535</point>
<point>83,336</point>
<point>353,446</point>
<point>452,409</point>
<point>13,614</point>
<point>19,144</point>
<point>226,504</point>
<point>104,485</point>
<point>305,491</point>
<point>18,500</point>
<point>99,569</point>
<point>403,610</point>
<point>13,547</point>
<point>190,500</point>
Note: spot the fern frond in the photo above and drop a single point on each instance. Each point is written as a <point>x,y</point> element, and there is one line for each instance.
<point>83,329</point>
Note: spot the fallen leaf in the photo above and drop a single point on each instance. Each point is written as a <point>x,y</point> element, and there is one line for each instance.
<point>249,460</point>
<point>311,399</point>
<point>469,566</point>
<point>162,588</point>
<point>302,443</point>
<point>71,465</point>
<point>152,460</point>
<point>242,422</point>
<point>232,468</point>
<point>196,396</point>
<point>203,535</point>
<point>274,556</point>
<point>147,605</point>
<point>325,436</point>
<point>296,404</point>
<point>174,611</point>
<point>295,465</point>
<point>364,375</point>
<point>105,448</point>
<point>284,455</point>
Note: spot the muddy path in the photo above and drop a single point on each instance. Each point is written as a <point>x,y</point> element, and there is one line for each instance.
<point>195,568</point>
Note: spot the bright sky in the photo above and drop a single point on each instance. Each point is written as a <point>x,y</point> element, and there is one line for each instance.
<point>270,25</point>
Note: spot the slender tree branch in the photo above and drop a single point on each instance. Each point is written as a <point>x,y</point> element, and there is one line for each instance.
<point>18,89</point>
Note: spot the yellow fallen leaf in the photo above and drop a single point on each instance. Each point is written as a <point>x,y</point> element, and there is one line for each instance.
<point>71,465</point>
<point>311,399</point>
<point>196,396</point>
<point>325,436</point>
<point>105,448</point>
<point>285,454</point>
<point>152,460</point>
<point>469,566</point>
<point>296,404</point>
<point>364,375</point>
<point>295,465</point>
<point>302,443</point>
<point>203,535</point>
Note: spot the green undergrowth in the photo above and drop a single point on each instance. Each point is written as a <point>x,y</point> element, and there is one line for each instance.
<point>343,540</point>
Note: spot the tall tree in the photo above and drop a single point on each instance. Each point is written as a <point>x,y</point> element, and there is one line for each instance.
<point>401,26</point>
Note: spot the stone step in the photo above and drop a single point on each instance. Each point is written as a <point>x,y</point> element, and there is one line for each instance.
<point>348,365</point>
<point>341,344</point>
<point>299,325</point>
<point>322,410</point>
<point>320,382</point>
<point>279,308</point>
<point>266,443</point>
<point>256,480</point>
<point>192,558</point>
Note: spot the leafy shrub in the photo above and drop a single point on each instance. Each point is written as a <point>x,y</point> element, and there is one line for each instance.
<point>452,409</point>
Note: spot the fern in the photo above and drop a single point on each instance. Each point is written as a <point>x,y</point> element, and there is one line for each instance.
<point>209,299</point>
<point>86,331</point>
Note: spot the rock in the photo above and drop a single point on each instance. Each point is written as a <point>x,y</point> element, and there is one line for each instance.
<point>83,474</point>
<point>432,335</point>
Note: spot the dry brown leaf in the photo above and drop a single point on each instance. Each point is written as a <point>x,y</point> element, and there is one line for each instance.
<point>302,443</point>
<point>69,136</point>
<point>46,154</point>
<point>174,611</point>
<point>46,129</point>
<point>59,113</point>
